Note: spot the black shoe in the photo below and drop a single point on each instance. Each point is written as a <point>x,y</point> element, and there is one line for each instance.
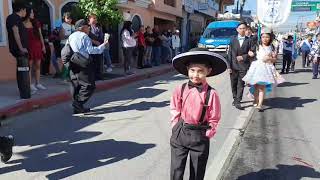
<point>234,103</point>
<point>238,106</point>
<point>6,148</point>
<point>282,72</point>
<point>78,109</point>
<point>81,111</point>
<point>314,77</point>
<point>139,67</point>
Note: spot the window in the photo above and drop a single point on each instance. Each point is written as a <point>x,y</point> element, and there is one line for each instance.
<point>170,2</point>
<point>3,39</point>
<point>219,32</point>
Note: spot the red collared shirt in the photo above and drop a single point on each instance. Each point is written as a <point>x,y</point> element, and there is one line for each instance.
<point>141,40</point>
<point>191,107</point>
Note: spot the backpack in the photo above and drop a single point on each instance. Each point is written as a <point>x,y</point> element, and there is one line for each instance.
<point>66,54</point>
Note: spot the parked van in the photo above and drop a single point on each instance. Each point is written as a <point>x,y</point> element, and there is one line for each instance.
<point>217,35</point>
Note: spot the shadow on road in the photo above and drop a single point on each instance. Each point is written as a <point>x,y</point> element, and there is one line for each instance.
<point>290,84</point>
<point>141,106</point>
<point>68,159</point>
<point>292,172</point>
<point>302,70</point>
<point>287,103</point>
<point>58,142</point>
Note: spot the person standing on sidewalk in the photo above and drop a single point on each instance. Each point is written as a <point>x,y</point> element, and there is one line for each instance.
<point>149,41</point>
<point>128,45</point>
<point>176,44</point>
<point>18,43</point>
<point>82,76</point>
<point>36,49</point>
<point>239,61</point>
<point>305,49</point>
<point>156,47</point>
<point>196,111</point>
<point>141,47</point>
<point>288,50</point>
<point>66,30</point>
<point>315,53</point>
<point>97,38</point>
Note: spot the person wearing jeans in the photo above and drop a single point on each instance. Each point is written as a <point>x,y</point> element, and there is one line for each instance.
<point>107,59</point>
<point>305,49</point>
<point>156,48</point>
<point>315,52</point>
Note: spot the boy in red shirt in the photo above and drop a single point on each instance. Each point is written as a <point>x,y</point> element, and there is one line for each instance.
<point>196,111</point>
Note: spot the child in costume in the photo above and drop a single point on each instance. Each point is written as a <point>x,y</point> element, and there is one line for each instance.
<point>196,112</point>
<point>262,74</point>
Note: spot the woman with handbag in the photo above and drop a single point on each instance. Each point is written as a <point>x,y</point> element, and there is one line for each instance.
<point>315,57</point>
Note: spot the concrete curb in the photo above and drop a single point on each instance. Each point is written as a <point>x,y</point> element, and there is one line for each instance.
<point>224,156</point>
<point>29,105</point>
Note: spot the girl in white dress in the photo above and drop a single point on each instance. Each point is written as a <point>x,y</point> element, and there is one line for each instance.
<point>262,74</point>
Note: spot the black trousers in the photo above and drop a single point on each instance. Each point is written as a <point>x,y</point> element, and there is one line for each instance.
<point>237,85</point>
<point>186,142</point>
<point>140,56</point>
<point>23,78</point>
<point>305,60</point>
<point>98,65</point>
<point>287,59</point>
<point>83,84</point>
<point>128,58</point>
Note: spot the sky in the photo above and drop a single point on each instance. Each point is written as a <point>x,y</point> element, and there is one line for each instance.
<point>291,21</point>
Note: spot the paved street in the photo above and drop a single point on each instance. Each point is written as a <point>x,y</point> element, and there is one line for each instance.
<point>125,137</point>
<point>282,143</point>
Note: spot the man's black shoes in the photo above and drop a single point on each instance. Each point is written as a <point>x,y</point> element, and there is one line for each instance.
<point>238,106</point>
<point>79,109</point>
<point>6,145</point>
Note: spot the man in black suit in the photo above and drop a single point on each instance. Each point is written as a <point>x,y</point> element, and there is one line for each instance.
<point>239,58</point>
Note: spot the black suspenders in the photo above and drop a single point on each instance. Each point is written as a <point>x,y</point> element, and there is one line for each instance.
<point>205,106</point>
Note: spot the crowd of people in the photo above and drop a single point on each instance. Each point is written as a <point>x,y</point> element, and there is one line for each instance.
<point>148,47</point>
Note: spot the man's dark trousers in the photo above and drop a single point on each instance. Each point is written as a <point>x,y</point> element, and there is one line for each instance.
<point>237,84</point>
<point>98,65</point>
<point>315,68</point>
<point>287,59</point>
<point>183,142</point>
<point>23,78</point>
<point>83,84</point>
<point>305,61</point>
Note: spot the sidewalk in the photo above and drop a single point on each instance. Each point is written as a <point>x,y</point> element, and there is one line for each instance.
<point>59,91</point>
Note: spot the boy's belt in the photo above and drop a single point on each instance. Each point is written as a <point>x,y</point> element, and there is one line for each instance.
<point>196,126</point>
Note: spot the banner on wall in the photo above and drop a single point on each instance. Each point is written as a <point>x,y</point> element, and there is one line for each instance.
<point>272,13</point>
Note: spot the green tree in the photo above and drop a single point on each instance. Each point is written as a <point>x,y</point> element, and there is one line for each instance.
<point>106,10</point>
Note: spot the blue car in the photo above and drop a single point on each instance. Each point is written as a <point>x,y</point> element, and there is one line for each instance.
<point>217,36</point>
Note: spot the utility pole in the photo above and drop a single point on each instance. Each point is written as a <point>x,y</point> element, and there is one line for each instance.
<point>242,2</point>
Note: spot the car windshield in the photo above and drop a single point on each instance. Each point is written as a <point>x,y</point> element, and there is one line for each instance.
<point>219,32</point>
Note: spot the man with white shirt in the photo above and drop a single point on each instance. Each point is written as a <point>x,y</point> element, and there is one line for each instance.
<point>82,76</point>
<point>176,43</point>
<point>239,56</point>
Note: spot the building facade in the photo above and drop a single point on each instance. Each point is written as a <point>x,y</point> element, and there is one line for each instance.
<point>189,16</point>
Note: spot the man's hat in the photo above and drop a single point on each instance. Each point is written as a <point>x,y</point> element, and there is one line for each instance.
<point>81,23</point>
<point>201,56</point>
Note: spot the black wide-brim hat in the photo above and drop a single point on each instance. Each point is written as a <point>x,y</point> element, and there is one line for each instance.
<point>201,56</point>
